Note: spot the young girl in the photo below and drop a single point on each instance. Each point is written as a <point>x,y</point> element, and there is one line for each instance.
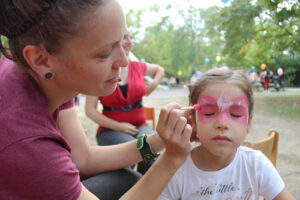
<point>220,168</point>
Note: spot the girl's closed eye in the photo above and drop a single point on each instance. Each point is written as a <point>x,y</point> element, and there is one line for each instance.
<point>237,111</point>
<point>235,115</point>
<point>208,110</point>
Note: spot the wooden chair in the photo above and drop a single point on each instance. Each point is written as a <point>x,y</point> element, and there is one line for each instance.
<point>150,115</point>
<point>269,146</point>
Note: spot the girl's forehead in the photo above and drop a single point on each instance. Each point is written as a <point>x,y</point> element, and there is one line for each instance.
<point>222,90</point>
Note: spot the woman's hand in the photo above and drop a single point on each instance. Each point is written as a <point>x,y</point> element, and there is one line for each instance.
<point>190,115</point>
<point>174,130</point>
<point>127,128</point>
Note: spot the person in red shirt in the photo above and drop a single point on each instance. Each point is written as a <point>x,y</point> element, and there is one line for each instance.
<point>123,117</point>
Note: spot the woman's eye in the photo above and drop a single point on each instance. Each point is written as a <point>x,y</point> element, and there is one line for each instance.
<point>105,56</point>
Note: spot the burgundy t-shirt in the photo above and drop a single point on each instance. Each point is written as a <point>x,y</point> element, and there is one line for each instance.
<point>35,160</point>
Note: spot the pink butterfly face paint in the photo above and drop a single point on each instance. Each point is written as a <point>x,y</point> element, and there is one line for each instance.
<point>224,109</point>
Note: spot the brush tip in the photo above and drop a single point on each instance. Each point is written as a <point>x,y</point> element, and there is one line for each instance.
<point>196,107</point>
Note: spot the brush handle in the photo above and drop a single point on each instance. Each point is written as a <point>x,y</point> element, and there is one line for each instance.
<point>187,108</point>
<point>194,107</point>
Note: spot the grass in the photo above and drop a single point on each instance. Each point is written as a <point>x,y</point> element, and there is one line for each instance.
<point>284,104</point>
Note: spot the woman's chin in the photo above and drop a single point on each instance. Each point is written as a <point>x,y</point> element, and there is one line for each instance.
<point>107,91</point>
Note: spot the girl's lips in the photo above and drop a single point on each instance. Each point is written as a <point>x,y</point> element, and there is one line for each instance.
<point>221,139</point>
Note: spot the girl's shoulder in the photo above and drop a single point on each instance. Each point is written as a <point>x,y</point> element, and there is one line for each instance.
<point>251,156</point>
<point>249,151</point>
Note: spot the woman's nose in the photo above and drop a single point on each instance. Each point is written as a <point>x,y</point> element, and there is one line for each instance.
<point>122,60</point>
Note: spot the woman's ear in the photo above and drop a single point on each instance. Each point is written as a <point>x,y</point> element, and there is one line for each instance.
<point>37,58</point>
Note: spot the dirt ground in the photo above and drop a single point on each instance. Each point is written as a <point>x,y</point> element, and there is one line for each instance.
<point>288,160</point>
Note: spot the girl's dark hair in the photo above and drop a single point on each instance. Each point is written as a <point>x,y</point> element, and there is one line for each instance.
<point>43,23</point>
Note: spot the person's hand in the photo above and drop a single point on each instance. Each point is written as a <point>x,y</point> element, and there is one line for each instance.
<point>188,114</point>
<point>128,128</point>
<point>175,132</point>
<point>150,87</point>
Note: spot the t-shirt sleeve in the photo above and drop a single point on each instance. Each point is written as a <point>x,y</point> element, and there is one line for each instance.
<point>270,182</point>
<point>39,168</point>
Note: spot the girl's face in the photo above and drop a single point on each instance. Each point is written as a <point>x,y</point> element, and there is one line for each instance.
<point>223,119</point>
<point>89,63</point>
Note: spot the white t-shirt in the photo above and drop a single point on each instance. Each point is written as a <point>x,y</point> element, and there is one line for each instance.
<point>248,176</point>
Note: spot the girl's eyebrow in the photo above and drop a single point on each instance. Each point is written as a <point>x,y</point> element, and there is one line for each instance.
<point>238,105</point>
<point>209,104</point>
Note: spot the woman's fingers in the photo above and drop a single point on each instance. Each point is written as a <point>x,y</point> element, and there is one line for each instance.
<point>164,116</point>
<point>129,128</point>
<point>174,131</point>
<point>187,132</point>
<point>174,119</point>
<point>188,114</point>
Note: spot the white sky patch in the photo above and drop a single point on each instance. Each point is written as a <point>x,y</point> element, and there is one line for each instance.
<point>148,18</point>
<point>138,4</point>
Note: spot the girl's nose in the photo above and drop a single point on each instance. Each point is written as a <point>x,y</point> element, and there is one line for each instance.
<point>222,121</point>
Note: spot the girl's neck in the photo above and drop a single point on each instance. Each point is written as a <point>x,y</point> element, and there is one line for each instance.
<point>207,161</point>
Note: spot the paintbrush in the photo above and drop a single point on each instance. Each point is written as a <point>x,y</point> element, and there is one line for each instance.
<point>194,107</point>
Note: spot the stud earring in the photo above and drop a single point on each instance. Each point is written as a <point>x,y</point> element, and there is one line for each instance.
<point>48,75</point>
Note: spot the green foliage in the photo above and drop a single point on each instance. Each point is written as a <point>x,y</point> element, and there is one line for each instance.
<point>4,42</point>
<point>243,33</point>
<point>283,24</point>
<point>134,21</point>
<point>290,65</point>
<point>238,22</point>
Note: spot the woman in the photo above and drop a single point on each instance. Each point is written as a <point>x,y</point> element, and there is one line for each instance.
<point>60,49</point>
<point>123,117</point>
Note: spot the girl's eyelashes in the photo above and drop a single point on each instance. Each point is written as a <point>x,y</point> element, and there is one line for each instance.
<point>209,114</point>
<point>235,115</point>
<point>237,111</point>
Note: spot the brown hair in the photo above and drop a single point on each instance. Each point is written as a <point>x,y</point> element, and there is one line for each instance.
<point>222,75</point>
<point>43,23</point>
